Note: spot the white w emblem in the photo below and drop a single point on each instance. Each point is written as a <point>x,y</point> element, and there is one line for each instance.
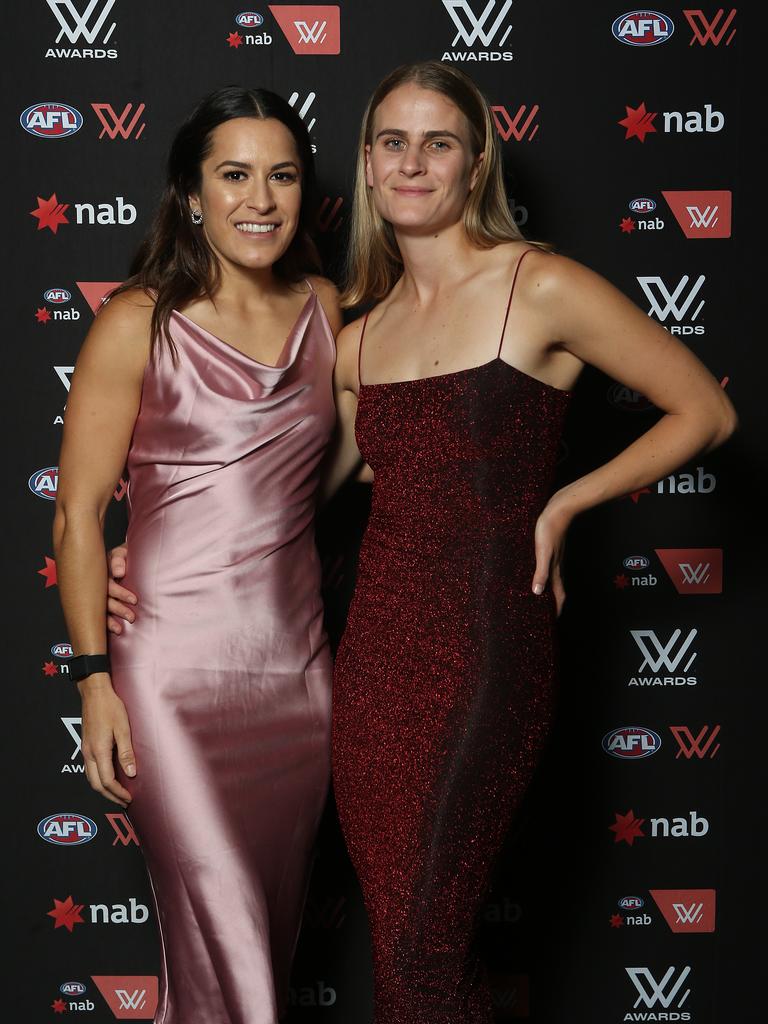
<point>706,218</point>
<point>653,993</point>
<point>79,26</point>
<point>688,915</point>
<point>315,34</point>
<point>670,298</point>
<point>699,575</point>
<point>661,656</point>
<point>131,1001</point>
<point>477,24</point>
<point>293,99</point>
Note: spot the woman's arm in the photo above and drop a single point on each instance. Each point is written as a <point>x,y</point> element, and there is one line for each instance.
<point>343,455</point>
<point>101,411</point>
<point>596,323</point>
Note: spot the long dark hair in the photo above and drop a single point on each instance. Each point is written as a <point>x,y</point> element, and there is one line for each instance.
<point>174,263</point>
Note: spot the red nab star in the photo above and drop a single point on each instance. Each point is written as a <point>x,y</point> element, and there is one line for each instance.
<point>627,225</point>
<point>66,913</point>
<point>49,572</point>
<point>235,39</point>
<point>620,581</point>
<point>43,315</point>
<point>627,827</point>
<point>50,668</point>
<point>638,122</point>
<point>59,1006</point>
<point>616,921</point>
<point>635,495</point>
<point>50,213</point>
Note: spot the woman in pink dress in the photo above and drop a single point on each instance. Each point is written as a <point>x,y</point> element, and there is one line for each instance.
<point>210,374</point>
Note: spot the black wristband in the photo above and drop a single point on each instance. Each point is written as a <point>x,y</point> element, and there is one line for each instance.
<point>86,665</point>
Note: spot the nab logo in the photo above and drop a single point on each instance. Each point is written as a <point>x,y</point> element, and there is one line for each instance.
<point>67,829</point>
<point>630,743</point>
<point>310,30</point>
<point>483,27</point>
<point>643,28</point>
<point>701,214</point>
<point>125,125</point>
<point>640,122</point>
<point>44,483</point>
<point>91,26</point>
<point>51,120</point>
<point>521,127</point>
<point>687,910</point>
<point>51,214</point>
<point>710,31</point>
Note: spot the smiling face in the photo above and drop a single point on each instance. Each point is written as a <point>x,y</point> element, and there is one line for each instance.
<point>250,192</point>
<point>420,165</point>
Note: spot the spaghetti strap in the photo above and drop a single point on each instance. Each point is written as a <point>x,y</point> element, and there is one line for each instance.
<point>509,300</point>
<point>360,350</point>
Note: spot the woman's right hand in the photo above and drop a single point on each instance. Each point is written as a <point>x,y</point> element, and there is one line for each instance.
<point>119,599</point>
<point>106,727</point>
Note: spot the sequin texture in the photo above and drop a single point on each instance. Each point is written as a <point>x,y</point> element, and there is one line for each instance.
<point>444,679</point>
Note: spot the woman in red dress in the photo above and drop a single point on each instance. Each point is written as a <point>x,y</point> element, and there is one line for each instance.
<point>457,384</point>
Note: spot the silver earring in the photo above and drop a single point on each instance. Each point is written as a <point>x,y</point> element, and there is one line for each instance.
<point>197,217</point>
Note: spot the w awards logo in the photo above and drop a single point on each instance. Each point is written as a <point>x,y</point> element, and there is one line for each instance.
<point>701,214</point>
<point>482,26</point>
<point>694,570</point>
<point>83,24</point>
<point>716,30</point>
<point>687,910</point>
<point>129,997</point>
<point>660,996</point>
<point>310,30</point>
<point>681,302</point>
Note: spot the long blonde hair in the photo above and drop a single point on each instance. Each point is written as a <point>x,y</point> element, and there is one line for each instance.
<point>374,262</point>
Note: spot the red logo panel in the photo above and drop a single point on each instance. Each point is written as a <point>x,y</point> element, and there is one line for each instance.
<point>309,30</point>
<point>701,214</point>
<point>694,570</point>
<point>687,910</point>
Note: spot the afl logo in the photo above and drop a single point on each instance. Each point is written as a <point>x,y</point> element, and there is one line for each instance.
<point>631,902</point>
<point>44,482</point>
<point>627,400</point>
<point>636,562</point>
<point>57,295</point>
<point>72,988</point>
<point>631,742</point>
<point>249,19</point>
<point>643,28</point>
<point>51,120</point>
<point>67,829</point>
<point>642,205</point>
<point>62,650</point>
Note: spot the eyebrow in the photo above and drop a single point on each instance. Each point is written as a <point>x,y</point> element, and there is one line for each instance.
<point>427,135</point>
<point>247,166</point>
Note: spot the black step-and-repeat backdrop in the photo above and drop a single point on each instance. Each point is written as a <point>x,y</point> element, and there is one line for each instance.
<point>631,888</point>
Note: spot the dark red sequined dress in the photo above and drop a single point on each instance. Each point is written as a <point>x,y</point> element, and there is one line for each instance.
<point>443,686</point>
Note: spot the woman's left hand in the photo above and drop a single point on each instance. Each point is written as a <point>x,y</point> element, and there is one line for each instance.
<point>551,528</point>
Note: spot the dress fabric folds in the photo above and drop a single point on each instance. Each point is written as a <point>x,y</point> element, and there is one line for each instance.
<point>226,671</point>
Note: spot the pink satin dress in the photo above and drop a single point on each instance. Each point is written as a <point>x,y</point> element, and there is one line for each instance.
<point>226,671</point>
